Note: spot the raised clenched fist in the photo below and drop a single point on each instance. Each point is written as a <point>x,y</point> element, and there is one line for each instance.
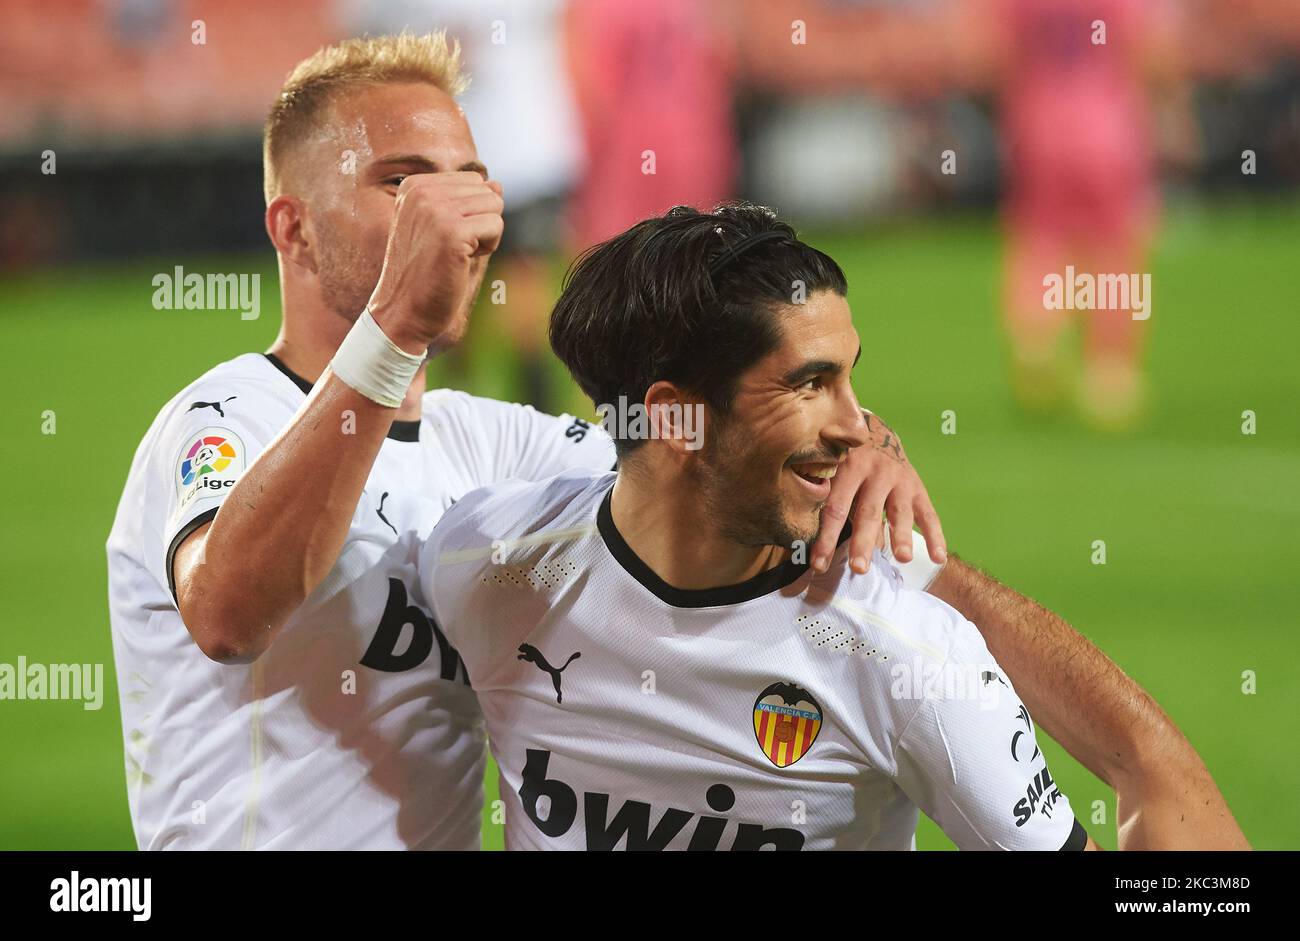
<point>445,227</point>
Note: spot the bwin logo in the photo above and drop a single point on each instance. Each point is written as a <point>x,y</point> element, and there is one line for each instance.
<point>632,821</point>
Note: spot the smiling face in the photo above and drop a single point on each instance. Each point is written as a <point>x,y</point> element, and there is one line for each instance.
<point>766,464</point>
<point>347,176</point>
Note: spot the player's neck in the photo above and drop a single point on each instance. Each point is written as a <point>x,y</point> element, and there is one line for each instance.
<point>661,524</point>
<point>307,350</point>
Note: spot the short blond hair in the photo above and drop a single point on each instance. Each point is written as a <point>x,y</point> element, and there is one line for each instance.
<point>352,63</point>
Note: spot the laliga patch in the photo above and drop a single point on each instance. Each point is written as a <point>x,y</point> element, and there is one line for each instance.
<point>209,464</point>
<point>786,722</point>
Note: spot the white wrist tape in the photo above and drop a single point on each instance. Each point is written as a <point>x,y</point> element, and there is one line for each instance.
<point>373,364</point>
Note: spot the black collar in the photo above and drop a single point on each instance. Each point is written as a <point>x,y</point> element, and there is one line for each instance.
<point>761,584</point>
<point>401,429</point>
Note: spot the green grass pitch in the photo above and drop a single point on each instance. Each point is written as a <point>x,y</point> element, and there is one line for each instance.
<point>1200,521</point>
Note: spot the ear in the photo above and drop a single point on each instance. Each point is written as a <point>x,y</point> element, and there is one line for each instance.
<point>675,418</point>
<point>286,219</point>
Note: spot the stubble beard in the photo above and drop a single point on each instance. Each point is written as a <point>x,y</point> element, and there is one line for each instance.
<point>347,276</point>
<point>743,519</point>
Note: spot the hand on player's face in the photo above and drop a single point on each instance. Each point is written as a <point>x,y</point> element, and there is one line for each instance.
<point>386,143</point>
<point>877,479</point>
<point>794,420</point>
<point>444,222</point>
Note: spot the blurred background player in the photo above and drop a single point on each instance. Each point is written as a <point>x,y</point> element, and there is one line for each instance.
<point>1076,116</point>
<point>654,86</point>
<point>1076,80</point>
<point>526,129</point>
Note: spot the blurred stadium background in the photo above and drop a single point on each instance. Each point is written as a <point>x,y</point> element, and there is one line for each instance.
<point>149,113</point>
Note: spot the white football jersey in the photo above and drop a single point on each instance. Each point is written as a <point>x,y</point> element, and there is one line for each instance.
<point>792,711</point>
<point>357,728</point>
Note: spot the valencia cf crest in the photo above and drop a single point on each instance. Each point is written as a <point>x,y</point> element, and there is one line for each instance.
<point>786,722</point>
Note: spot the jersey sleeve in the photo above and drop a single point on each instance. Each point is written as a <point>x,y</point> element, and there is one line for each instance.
<point>201,452</point>
<point>525,444</point>
<point>969,759</point>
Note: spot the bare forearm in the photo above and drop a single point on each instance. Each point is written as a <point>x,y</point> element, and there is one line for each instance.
<point>1176,807</point>
<point>1166,798</point>
<point>282,526</point>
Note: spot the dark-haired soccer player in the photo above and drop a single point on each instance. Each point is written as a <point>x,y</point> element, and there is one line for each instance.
<point>656,670</point>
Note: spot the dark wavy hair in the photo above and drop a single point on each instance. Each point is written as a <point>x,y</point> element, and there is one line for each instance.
<point>670,300</point>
